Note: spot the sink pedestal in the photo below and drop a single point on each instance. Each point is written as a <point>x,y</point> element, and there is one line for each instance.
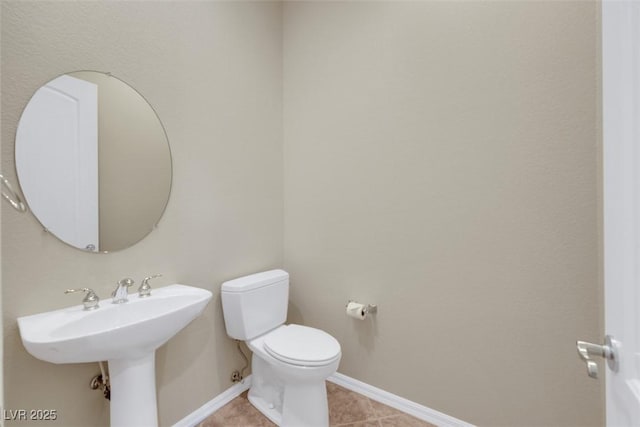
<point>133,392</point>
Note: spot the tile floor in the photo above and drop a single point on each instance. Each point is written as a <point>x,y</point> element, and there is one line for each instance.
<point>346,409</point>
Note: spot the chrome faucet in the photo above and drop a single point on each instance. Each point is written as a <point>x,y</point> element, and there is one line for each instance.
<point>122,290</point>
<point>90,300</point>
<point>145,289</point>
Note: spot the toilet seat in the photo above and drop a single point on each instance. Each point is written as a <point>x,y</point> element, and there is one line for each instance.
<point>302,346</point>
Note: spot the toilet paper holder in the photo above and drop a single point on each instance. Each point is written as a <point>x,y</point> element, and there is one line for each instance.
<point>368,308</point>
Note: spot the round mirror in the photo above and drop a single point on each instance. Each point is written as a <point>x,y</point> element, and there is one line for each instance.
<point>93,161</point>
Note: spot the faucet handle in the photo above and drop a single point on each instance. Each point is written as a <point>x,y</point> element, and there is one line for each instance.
<point>90,300</point>
<point>145,289</point>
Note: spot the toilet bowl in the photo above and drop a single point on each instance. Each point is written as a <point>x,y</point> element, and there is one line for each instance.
<point>290,363</point>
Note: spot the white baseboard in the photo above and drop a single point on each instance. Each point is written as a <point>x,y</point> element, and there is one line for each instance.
<point>197,416</point>
<point>419,411</point>
<point>400,403</point>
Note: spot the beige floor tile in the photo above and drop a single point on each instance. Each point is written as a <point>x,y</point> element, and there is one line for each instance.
<point>346,409</point>
<point>346,406</point>
<point>380,410</point>
<point>369,423</point>
<point>237,413</point>
<point>403,420</point>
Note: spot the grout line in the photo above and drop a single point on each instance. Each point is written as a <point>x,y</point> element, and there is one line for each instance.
<point>366,420</point>
<point>376,413</point>
<point>372,410</point>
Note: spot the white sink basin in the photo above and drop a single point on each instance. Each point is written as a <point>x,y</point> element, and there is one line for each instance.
<point>113,331</point>
<point>126,335</point>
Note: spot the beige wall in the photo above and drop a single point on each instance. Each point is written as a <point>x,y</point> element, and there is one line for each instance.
<point>441,161</point>
<point>213,73</point>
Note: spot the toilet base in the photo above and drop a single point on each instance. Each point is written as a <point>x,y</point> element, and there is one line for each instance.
<point>296,410</point>
<point>287,400</point>
<point>266,408</point>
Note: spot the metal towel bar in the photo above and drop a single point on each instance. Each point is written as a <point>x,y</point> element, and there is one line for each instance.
<point>12,197</point>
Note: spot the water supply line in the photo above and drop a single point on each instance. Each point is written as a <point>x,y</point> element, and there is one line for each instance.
<point>105,378</point>
<point>238,376</point>
<point>101,382</point>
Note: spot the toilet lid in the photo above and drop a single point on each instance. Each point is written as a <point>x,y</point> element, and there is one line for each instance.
<point>302,345</point>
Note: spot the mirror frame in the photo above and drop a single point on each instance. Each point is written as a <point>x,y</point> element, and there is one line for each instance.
<point>170,155</point>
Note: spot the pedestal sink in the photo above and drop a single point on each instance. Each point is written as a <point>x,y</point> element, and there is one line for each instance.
<point>126,335</point>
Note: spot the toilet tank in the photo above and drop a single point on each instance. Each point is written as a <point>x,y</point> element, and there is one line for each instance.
<point>255,304</point>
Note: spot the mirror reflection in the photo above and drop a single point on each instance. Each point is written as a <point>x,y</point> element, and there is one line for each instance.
<point>93,161</point>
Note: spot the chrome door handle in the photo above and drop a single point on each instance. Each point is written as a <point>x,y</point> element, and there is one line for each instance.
<point>607,351</point>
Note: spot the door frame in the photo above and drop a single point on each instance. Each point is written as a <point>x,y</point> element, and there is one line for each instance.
<point>621,198</point>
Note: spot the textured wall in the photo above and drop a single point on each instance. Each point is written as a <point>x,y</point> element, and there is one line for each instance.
<point>213,73</point>
<point>441,161</point>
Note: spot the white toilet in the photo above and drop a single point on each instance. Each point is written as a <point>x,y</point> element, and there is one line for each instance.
<point>290,362</point>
